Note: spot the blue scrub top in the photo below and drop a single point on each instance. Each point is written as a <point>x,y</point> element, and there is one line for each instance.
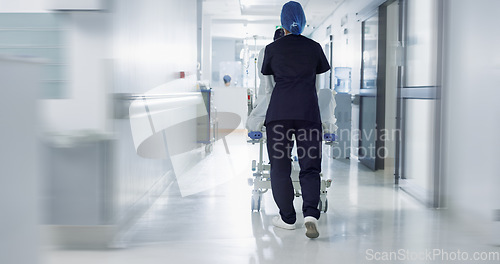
<point>294,61</point>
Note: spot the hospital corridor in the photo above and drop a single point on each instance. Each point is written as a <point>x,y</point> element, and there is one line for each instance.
<point>249,131</point>
<point>367,214</point>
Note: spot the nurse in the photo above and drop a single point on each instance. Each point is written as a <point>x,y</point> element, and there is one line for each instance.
<point>294,61</point>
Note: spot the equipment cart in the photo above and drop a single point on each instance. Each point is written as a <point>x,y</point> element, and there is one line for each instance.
<point>207,124</point>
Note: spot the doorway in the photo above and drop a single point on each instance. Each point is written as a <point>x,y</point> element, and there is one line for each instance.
<point>419,105</point>
<point>368,107</point>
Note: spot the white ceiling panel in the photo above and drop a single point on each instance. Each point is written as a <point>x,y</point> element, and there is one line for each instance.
<point>318,10</point>
<point>244,18</point>
<point>241,31</point>
<point>221,7</point>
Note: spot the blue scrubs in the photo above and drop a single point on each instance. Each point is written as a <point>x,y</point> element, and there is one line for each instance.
<point>294,61</point>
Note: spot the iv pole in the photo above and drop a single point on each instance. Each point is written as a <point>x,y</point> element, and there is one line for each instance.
<point>256,56</point>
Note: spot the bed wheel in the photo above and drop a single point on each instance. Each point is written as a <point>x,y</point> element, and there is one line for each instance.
<point>256,200</point>
<point>323,207</point>
<point>209,148</point>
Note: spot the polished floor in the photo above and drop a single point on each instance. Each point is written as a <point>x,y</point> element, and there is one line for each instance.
<point>369,221</point>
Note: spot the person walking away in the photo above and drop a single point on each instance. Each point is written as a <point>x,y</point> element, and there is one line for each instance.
<point>294,61</point>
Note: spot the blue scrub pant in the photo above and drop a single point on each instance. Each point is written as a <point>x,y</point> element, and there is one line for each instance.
<point>308,136</point>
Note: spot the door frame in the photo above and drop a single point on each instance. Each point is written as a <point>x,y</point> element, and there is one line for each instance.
<point>404,93</point>
<point>380,92</point>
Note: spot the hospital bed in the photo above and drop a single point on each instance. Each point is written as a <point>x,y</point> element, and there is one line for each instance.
<point>261,180</point>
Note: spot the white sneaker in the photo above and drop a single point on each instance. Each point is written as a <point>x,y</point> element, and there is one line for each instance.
<point>278,222</point>
<point>311,224</point>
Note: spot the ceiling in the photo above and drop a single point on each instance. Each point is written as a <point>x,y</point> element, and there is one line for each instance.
<point>248,18</point>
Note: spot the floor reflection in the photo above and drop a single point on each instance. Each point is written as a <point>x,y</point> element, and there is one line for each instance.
<point>367,213</point>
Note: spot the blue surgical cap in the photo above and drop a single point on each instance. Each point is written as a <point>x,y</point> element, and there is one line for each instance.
<point>293,18</point>
<point>226,78</point>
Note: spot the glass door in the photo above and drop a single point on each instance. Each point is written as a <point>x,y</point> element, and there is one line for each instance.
<point>368,92</point>
<point>419,101</point>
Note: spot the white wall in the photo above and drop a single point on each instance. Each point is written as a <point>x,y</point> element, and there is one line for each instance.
<point>471,109</point>
<point>19,160</point>
<point>223,50</point>
<point>347,47</point>
<point>206,47</point>
<point>153,41</point>
<point>77,4</point>
<point>345,55</point>
<point>132,48</point>
<point>19,6</point>
<point>89,71</point>
<point>231,100</point>
<point>146,53</point>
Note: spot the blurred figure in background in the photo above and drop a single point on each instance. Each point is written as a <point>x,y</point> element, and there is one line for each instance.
<point>227,80</point>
